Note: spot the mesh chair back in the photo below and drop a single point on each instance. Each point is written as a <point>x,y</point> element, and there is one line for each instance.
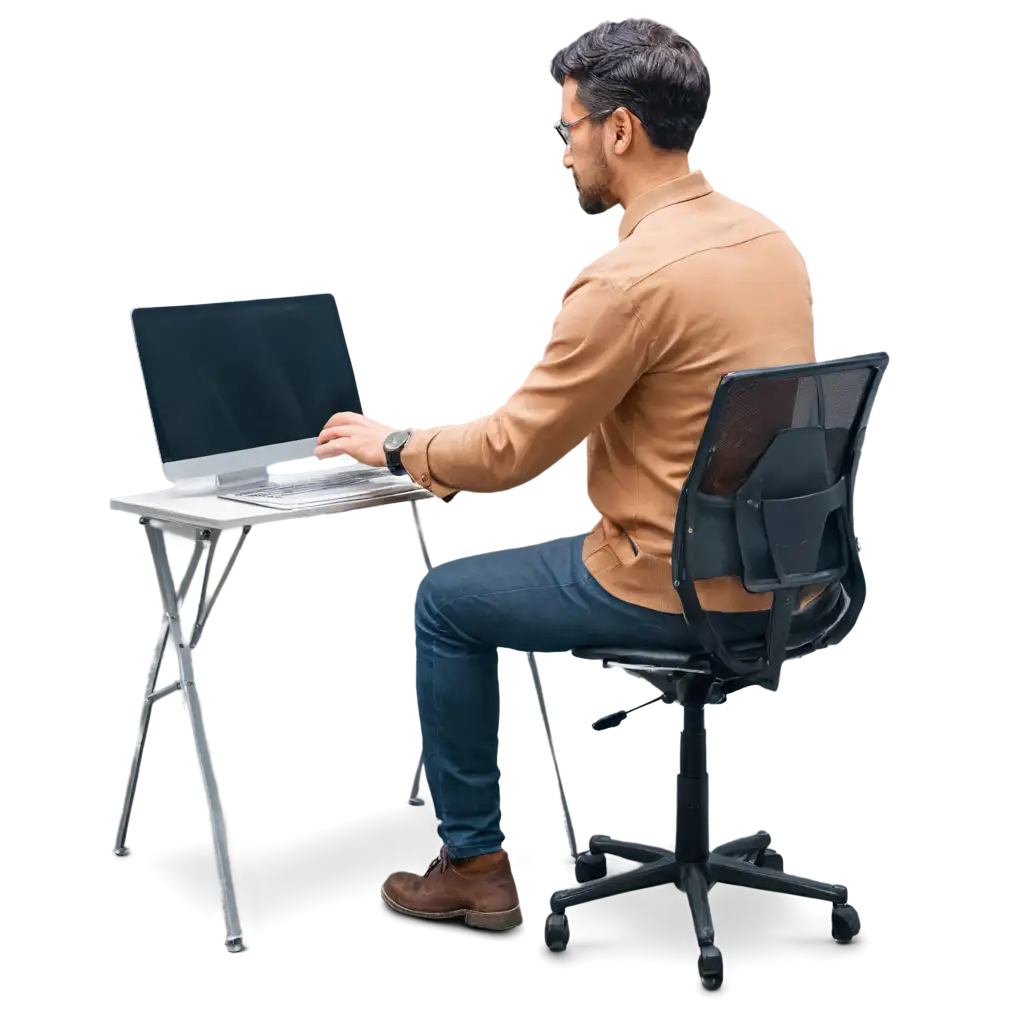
<point>770,499</point>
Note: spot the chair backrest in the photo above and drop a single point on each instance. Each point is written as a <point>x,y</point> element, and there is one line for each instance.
<point>769,499</point>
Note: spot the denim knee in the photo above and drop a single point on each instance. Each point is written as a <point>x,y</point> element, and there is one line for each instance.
<point>431,596</point>
<point>440,587</point>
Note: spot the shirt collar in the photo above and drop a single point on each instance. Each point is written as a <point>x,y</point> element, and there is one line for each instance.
<point>668,193</point>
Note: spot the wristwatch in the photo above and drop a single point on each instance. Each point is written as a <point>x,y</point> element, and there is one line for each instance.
<point>393,445</point>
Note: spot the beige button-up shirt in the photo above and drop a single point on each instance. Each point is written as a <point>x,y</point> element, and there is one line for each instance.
<point>698,286</point>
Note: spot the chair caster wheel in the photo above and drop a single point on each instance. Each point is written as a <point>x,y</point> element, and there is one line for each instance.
<point>709,966</point>
<point>234,945</point>
<point>591,866</point>
<point>556,932</point>
<point>769,859</point>
<point>845,922</point>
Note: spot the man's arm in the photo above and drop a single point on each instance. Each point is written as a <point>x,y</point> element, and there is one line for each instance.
<point>598,350</point>
<point>560,479</point>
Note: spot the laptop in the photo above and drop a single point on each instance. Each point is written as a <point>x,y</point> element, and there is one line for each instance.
<point>235,387</point>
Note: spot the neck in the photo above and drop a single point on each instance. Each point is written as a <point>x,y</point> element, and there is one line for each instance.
<point>655,173</point>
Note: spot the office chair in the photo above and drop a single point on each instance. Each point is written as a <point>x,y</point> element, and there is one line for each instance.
<point>769,499</point>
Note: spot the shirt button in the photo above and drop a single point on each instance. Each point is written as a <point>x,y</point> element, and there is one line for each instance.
<point>423,477</point>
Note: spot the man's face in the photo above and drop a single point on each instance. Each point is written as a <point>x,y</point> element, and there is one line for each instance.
<point>585,155</point>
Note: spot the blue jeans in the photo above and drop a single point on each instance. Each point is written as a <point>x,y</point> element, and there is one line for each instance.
<point>537,598</point>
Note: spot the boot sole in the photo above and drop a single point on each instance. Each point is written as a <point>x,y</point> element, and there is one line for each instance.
<point>489,920</point>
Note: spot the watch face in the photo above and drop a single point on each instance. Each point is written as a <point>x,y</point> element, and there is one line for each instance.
<point>392,441</point>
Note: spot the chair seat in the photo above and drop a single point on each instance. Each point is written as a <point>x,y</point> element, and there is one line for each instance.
<point>685,661</point>
<point>819,617</point>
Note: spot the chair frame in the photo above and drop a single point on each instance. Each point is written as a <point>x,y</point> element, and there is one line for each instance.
<point>707,677</point>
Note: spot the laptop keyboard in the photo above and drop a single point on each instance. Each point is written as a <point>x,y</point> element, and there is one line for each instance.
<point>329,483</point>
<point>324,491</point>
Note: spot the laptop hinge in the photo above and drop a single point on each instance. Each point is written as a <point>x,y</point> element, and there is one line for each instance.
<point>194,485</point>
<point>242,478</point>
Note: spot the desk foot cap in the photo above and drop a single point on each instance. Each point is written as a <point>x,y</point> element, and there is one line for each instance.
<point>416,801</point>
<point>235,945</point>
<point>121,851</point>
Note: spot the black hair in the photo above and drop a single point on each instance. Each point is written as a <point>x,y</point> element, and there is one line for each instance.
<point>639,64</point>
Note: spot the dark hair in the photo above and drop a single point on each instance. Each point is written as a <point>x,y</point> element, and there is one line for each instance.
<point>653,72</point>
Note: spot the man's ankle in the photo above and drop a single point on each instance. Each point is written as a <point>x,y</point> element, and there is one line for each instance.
<point>480,861</point>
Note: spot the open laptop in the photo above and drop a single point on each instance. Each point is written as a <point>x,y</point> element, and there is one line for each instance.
<point>235,387</point>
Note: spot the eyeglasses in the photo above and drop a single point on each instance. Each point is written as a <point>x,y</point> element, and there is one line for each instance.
<point>563,127</point>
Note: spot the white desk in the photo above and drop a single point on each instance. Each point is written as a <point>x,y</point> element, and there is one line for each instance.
<point>207,511</point>
<point>298,708</point>
<point>207,651</point>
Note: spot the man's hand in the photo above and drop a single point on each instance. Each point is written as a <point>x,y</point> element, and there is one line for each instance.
<point>349,433</point>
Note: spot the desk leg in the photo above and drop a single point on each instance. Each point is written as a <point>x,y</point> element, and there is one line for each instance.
<point>233,940</point>
<point>123,845</point>
<point>535,684</point>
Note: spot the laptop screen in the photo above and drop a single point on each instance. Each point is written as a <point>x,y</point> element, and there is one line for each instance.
<point>229,376</point>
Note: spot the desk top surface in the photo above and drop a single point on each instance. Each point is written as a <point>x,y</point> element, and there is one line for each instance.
<point>209,511</point>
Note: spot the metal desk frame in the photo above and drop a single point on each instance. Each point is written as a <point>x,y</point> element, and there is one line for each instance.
<point>186,594</point>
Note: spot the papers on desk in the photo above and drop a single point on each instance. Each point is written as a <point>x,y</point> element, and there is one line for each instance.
<point>311,490</point>
<point>209,511</point>
<point>311,472</point>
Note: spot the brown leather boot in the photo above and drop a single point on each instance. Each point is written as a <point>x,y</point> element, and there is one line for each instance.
<point>480,890</point>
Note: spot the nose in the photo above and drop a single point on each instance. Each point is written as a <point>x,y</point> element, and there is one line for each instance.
<point>567,158</point>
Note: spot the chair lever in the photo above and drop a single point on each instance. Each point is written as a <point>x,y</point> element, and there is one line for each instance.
<point>607,723</point>
<point>611,721</point>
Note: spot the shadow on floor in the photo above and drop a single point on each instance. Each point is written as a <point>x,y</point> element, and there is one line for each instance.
<point>320,884</point>
<point>312,895</point>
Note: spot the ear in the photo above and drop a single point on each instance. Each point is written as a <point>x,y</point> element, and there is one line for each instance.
<point>623,130</point>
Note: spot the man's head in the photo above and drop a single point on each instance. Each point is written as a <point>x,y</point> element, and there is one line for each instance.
<point>637,92</point>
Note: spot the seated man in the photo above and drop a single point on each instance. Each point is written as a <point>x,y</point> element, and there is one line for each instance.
<point>698,286</point>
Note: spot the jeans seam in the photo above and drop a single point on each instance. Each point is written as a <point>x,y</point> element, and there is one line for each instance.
<point>516,590</point>
<point>437,728</point>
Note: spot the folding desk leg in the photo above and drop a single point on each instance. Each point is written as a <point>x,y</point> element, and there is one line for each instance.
<point>535,682</point>
<point>562,812</point>
<point>233,940</point>
<point>215,569</point>
<point>122,849</point>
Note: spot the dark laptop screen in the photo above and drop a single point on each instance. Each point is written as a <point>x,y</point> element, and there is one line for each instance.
<point>227,376</point>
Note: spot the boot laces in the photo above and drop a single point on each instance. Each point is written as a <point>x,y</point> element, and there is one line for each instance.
<point>443,859</point>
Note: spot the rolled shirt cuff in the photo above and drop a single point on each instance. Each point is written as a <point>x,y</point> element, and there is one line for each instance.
<point>415,459</point>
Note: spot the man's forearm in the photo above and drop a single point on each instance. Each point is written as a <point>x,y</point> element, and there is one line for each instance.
<point>559,479</point>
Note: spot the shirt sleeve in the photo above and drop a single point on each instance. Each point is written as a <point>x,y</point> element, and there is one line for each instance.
<point>597,352</point>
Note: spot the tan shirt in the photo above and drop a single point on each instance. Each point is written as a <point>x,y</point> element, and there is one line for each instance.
<point>698,286</point>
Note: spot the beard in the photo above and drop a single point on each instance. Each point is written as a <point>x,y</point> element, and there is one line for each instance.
<point>596,197</point>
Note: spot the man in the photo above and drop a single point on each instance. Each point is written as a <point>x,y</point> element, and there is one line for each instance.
<point>697,286</point>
